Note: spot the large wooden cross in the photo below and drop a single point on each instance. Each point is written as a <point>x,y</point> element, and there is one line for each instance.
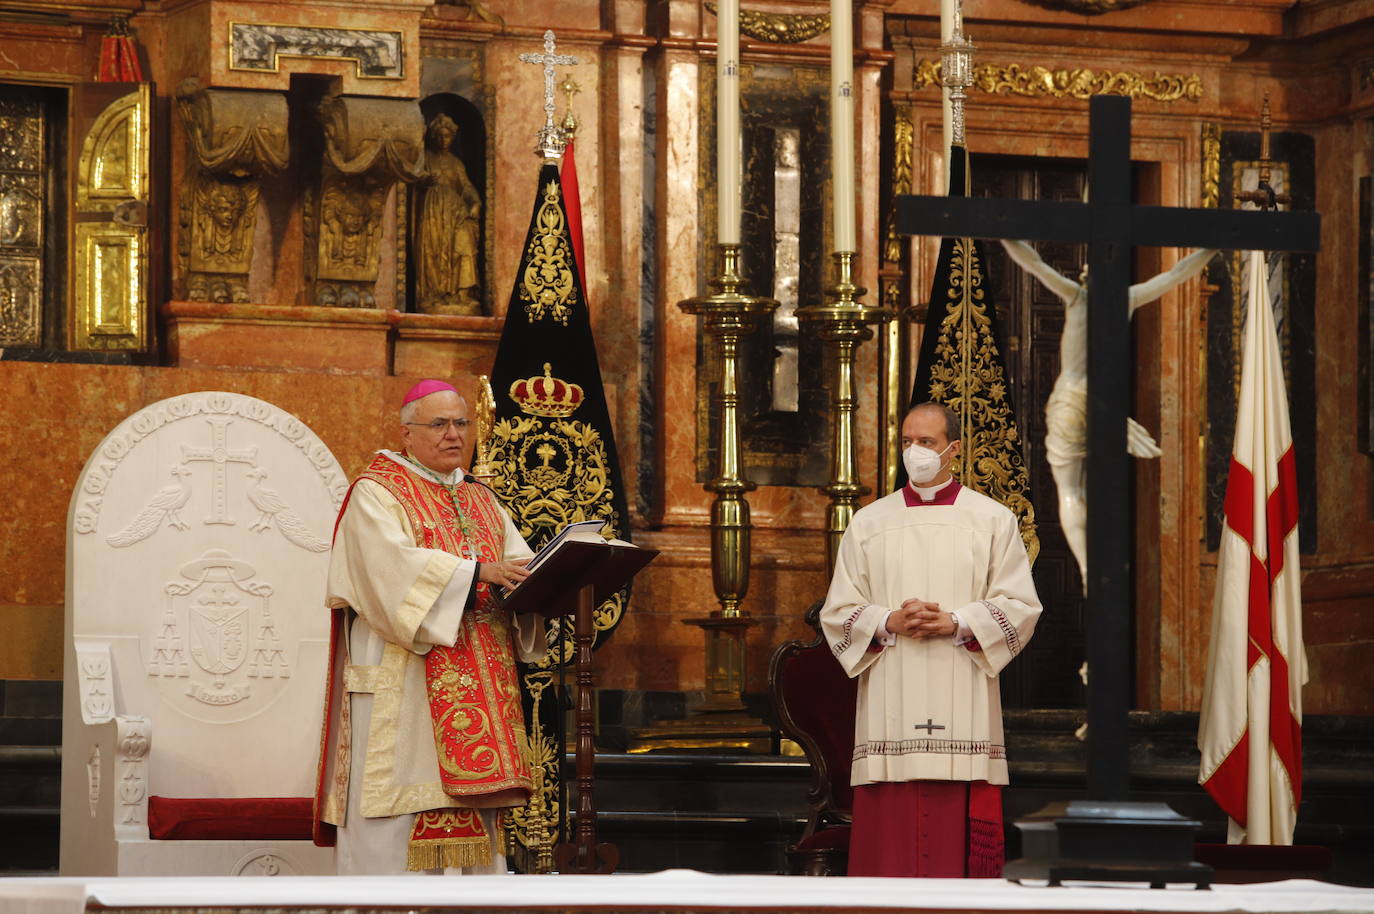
<point>1111,226</point>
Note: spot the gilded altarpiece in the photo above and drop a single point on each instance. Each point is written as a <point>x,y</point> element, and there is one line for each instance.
<point>23,144</point>
<point>784,399</point>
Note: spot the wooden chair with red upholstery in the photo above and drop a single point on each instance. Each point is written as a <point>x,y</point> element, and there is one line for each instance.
<point>814,703</point>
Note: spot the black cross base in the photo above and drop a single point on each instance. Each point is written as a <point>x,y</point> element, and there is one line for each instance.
<point>1107,836</point>
<point>1087,841</point>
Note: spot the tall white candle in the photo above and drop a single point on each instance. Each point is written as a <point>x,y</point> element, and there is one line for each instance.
<point>728,169</point>
<point>842,120</point>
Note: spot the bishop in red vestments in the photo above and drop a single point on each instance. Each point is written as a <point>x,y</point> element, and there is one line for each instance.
<point>424,738</point>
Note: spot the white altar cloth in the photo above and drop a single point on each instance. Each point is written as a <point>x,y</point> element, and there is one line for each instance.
<point>670,890</point>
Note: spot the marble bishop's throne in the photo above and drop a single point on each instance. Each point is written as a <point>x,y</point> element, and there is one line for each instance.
<point>813,700</point>
<point>196,642</point>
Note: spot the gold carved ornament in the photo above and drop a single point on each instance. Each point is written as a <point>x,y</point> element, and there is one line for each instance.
<point>110,257</point>
<point>904,144</point>
<point>969,377</point>
<point>1211,165</point>
<point>22,205</point>
<point>779,28</point>
<point>1069,83</point>
<point>550,470</point>
<point>546,286</point>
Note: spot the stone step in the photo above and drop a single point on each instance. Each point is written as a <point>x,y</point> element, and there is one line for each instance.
<point>29,840</point>
<point>710,812</point>
<point>30,776</point>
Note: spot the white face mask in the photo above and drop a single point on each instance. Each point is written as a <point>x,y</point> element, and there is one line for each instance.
<point>922,464</point>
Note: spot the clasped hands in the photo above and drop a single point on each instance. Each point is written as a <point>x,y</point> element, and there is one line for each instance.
<point>919,619</point>
<point>504,574</point>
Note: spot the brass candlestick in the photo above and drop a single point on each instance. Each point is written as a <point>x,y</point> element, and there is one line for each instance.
<point>730,315</point>
<point>721,722</point>
<point>842,320</point>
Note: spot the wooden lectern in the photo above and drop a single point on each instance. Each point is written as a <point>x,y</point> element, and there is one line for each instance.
<point>574,580</point>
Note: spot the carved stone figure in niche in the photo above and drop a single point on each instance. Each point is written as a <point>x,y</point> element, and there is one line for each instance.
<point>235,138</point>
<point>370,144</point>
<point>223,219</point>
<point>447,229</point>
<point>345,222</point>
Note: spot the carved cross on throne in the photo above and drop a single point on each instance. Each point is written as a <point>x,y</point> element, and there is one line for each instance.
<point>1111,226</point>
<point>220,456</point>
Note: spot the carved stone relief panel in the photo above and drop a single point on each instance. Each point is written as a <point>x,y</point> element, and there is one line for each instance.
<point>133,739</point>
<point>21,220</point>
<point>375,53</point>
<point>265,863</point>
<point>97,686</point>
<point>93,778</point>
<point>235,138</point>
<point>199,548</point>
<point>370,144</point>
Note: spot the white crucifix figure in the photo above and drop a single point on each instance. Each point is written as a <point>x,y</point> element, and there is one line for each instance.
<point>1066,411</point>
<point>220,456</point>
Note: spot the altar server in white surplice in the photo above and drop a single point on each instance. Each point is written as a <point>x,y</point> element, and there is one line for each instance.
<point>932,597</point>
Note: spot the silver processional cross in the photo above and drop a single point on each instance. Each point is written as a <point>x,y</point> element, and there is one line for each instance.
<point>551,142</point>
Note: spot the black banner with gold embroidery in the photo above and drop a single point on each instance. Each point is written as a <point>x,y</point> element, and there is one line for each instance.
<point>961,366</point>
<point>553,454</point>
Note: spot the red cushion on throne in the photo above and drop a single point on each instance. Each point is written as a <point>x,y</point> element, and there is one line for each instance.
<point>234,819</point>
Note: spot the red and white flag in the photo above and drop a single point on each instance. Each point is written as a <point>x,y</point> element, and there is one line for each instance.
<point>1250,732</point>
<point>572,200</point>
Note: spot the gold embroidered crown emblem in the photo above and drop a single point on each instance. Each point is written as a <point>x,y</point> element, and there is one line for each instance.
<point>547,396</point>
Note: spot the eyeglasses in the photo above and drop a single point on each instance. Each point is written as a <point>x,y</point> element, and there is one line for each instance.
<point>440,426</point>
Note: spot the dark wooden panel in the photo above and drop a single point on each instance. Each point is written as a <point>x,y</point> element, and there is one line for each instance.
<point>1046,675</point>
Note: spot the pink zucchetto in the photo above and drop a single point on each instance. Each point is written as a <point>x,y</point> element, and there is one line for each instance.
<point>425,388</point>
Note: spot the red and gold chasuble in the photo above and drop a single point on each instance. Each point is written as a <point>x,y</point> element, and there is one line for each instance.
<point>474,695</point>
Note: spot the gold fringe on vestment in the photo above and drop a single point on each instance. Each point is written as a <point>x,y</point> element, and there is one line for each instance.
<point>443,853</point>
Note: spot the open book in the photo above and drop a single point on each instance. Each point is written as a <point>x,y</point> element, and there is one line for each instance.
<point>583,531</point>
<point>579,556</point>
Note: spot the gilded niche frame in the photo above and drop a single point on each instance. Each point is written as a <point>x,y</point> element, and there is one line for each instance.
<point>777,447</point>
